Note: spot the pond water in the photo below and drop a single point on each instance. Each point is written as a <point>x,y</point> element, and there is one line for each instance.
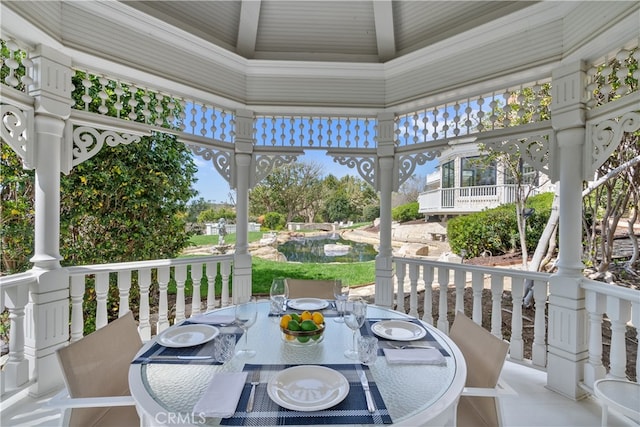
<point>326,248</point>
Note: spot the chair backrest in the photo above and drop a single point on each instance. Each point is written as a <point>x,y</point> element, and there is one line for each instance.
<point>98,365</point>
<point>484,354</point>
<point>302,288</point>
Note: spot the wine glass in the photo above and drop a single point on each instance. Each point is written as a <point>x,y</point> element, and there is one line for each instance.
<point>341,293</point>
<point>246,314</point>
<point>355,312</point>
<point>279,293</point>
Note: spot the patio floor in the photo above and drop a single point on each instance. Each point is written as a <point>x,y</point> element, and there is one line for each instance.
<point>534,406</point>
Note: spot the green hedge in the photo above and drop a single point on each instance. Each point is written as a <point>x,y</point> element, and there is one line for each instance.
<point>407,212</point>
<point>496,230</point>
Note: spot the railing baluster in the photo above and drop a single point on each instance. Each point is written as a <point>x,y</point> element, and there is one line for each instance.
<point>124,287</point>
<point>427,276</point>
<point>443,281</point>
<point>76,292</point>
<point>516,349</point>
<point>196,276</point>
<point>401,271</point>
<point>539,350</point>
<point>497,286</point>
<point>635,320</point>
<point>477,284</point>
<point>144,281</point>
<point>594,369</point>
<point>102,289</point>
<point>619,312</point>
<point>16,371</point>
<point>225,272</point>
<point>180,276</point>
<point>212,272</point>
<point>163,303</point>
<point>414,270</point>
<point>460,280</point>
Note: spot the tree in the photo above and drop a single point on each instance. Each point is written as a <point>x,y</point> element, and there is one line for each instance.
<point>291,190</point>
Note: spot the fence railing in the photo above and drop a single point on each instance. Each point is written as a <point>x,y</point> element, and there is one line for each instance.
<point>617,309</point>
<point>467,199</point>
<point>483,284</point>
<point>197,273</point>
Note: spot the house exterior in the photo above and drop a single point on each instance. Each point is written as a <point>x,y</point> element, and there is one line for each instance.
<point>464,183</point>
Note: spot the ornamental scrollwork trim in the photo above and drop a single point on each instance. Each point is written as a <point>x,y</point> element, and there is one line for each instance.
<point>17,131</point>
<point>605,137</point>
<point>535,150</point>
<point>266,163</point>
<point>221,160</point>
<point>364,165</point>
<point>88,141</point>
<point>407,164</point>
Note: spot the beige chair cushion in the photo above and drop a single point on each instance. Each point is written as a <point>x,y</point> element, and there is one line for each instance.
<point>98,366</point>
<point>484,354</point>
<point>300,288</point>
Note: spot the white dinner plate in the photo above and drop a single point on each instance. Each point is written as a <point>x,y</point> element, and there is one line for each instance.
<point>188,335</point>
<point>308,388</point>
<point>398,330</point>
<point>308,304</point>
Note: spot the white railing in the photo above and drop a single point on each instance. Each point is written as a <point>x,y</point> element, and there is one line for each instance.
<point>467,199</point>
<point>456,278</point>
<point>621,308</point>
<point>183,271</point>
<point>14,296</point>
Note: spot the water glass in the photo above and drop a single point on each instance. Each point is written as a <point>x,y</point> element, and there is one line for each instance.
<point>279,292</point>
<point>355,313</point>
<point>341,293</point>
<point>246,314</point>
<point>367,350</point>
<point>224,347</point>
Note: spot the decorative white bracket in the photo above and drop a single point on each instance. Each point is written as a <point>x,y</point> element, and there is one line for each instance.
<point>265,163</point>
<point>220,159</point>
<point>537,150</point>
<point>83,142</point>
<point>604,137</point>
<point>366,166</point>
<point>407,164</point>
<point>17,129</point>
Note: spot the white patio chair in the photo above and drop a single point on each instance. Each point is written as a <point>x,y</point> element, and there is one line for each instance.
<point>485,355</point>
<point>303,288</point>
<point>95,370</point>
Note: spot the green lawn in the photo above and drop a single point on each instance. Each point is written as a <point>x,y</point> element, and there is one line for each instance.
<point>263,271</point>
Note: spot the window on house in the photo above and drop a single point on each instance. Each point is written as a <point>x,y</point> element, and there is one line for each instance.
<point>448,175</point>
<point>476,172</point>
<point>529,175</point>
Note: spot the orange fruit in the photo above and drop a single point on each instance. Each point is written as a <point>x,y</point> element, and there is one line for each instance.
<point>306,315</point>
<point>284,321</point>
<point>317,318</point>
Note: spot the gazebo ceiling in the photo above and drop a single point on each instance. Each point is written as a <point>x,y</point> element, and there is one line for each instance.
<point>358,56</point>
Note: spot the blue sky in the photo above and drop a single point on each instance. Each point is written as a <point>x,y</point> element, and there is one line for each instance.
<point>212,187</point>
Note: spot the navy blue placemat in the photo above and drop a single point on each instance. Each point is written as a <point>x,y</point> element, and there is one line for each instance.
<point>352,410</point>
<point>428,339</point>
<point>205,349</point>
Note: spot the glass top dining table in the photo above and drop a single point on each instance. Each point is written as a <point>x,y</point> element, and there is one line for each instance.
<point>166,391</point>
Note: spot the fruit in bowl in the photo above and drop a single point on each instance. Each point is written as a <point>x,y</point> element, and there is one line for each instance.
<point>302,329</point>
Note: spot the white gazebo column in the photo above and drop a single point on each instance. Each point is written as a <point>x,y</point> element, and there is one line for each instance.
<point>47,312</point>
<point>568,350</point>
<point>244,173</point>
<point>385,180</point>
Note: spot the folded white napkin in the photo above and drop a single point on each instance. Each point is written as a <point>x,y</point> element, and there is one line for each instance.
<point>425,356</point>
<point>220,399</point>
<point>213,319</point>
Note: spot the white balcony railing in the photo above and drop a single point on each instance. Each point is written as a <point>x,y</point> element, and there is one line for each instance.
<point>468,199</point>
<point>621,306</point>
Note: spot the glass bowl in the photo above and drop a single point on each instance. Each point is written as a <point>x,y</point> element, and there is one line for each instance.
<point>303,338</point>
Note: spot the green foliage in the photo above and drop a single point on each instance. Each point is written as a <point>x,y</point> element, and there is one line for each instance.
<point>406,212</point>
<point>496,230</point>
<point>274,221</point>
<point>214,214</point>
<point>370,212</point>
<point>338,208</point>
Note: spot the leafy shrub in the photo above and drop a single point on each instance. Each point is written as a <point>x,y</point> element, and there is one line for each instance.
<point>406,212</point>
<point>370,212</point>
<point>496,230</point>
<point>274,221</point>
